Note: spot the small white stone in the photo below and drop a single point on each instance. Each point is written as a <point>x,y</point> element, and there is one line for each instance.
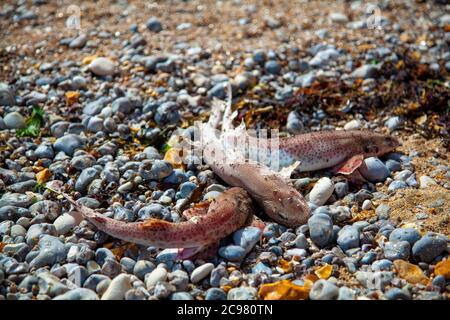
<point>159,274</point>
<point>352,125</point>
<point>321,191</point>
<point>118,287</point>
<point>67,221</point>
<point>102,67</point>
<point>367,204</point>
<point>201,272</point>
<point>338,17</point>
<point>426,181</point>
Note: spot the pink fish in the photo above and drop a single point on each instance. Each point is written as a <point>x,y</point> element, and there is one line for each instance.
<point>208,224</point>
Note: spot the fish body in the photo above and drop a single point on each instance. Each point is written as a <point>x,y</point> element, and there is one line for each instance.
<point>279,200</point>
<point>326,149</point>
<point>230,211</point>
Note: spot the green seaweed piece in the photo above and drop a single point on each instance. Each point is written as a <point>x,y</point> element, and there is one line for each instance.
<point>34,123</point>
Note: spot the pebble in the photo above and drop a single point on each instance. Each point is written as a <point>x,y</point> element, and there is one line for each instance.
<point>374,280</point>
<point>426,181</point>
<point>16,200</point>
<point>86,177</point>
<point>232,253</point>
<point>14,120</point>
<point>348,237</point>
<point>261,268</point>
<point>272,67</point>
<point>321,191</point>
<point>338,17</point>
<point>117,288</point>
<point>181,296</point>
<point>215,294</point>
<point>247,238</point>
<point>397,294</point>
<point>179,279</point>
<point>396,185</point>
<point>323,290</point>
<point>321,229</point>
<point>201,272</point>
<point>68,144</point>
<point>438,281</point>
<point>393,165</point>
<point>383,211</point>
<point>374,170</point>
<point>44,151</point>
<point>143,267</point>
<point>353,125</point>
<point>429,247</point>
<point>101,254</point>
<point>365,72</point>
<point>294,124</point>
<point>102,67</point>
<point>7,97</point>
<point>242,293</point>
<point>79,42</point>
<point>410,235</point>
<point>18,231</point>
<point>393,123</point>
<point>153,24</point>
<point>346,293</point>
<point>157,275</point>
<point>397,250</point>
<point>36,230</point>
<point>78,294</point>
<point>51,251</point>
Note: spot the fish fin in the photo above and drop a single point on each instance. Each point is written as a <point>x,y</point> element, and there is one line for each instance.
<point>217,107</point>
<point>286,172</point>
<point>201,252</point>
<point>350,165</point>
<point>228,115</point>
<point>356,178</point>
<point>154,224</point>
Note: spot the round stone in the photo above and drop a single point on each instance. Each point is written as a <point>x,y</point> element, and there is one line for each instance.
<point>102,67</point>
<point>321,191</point>
<point>201,272</point>
<point>374,170</point>
<point>68,143</point>
<point>321,229</point>
<point>14,120</point>
<point>117,288</point>
<point>429,247</point>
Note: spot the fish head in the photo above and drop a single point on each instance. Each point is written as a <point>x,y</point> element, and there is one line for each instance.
<point>379,144</point>
<point>287,207</point>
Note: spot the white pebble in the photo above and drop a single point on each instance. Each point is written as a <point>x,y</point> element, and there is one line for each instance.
<point>426,181</point>
<point>117,288</point>
<point>352,125</point>
<point>321,191</point>
<point>201,272</point>
<point>159,274</point>
<point>367,204</point>
<point>102,67</point>
<point>67,221</point>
